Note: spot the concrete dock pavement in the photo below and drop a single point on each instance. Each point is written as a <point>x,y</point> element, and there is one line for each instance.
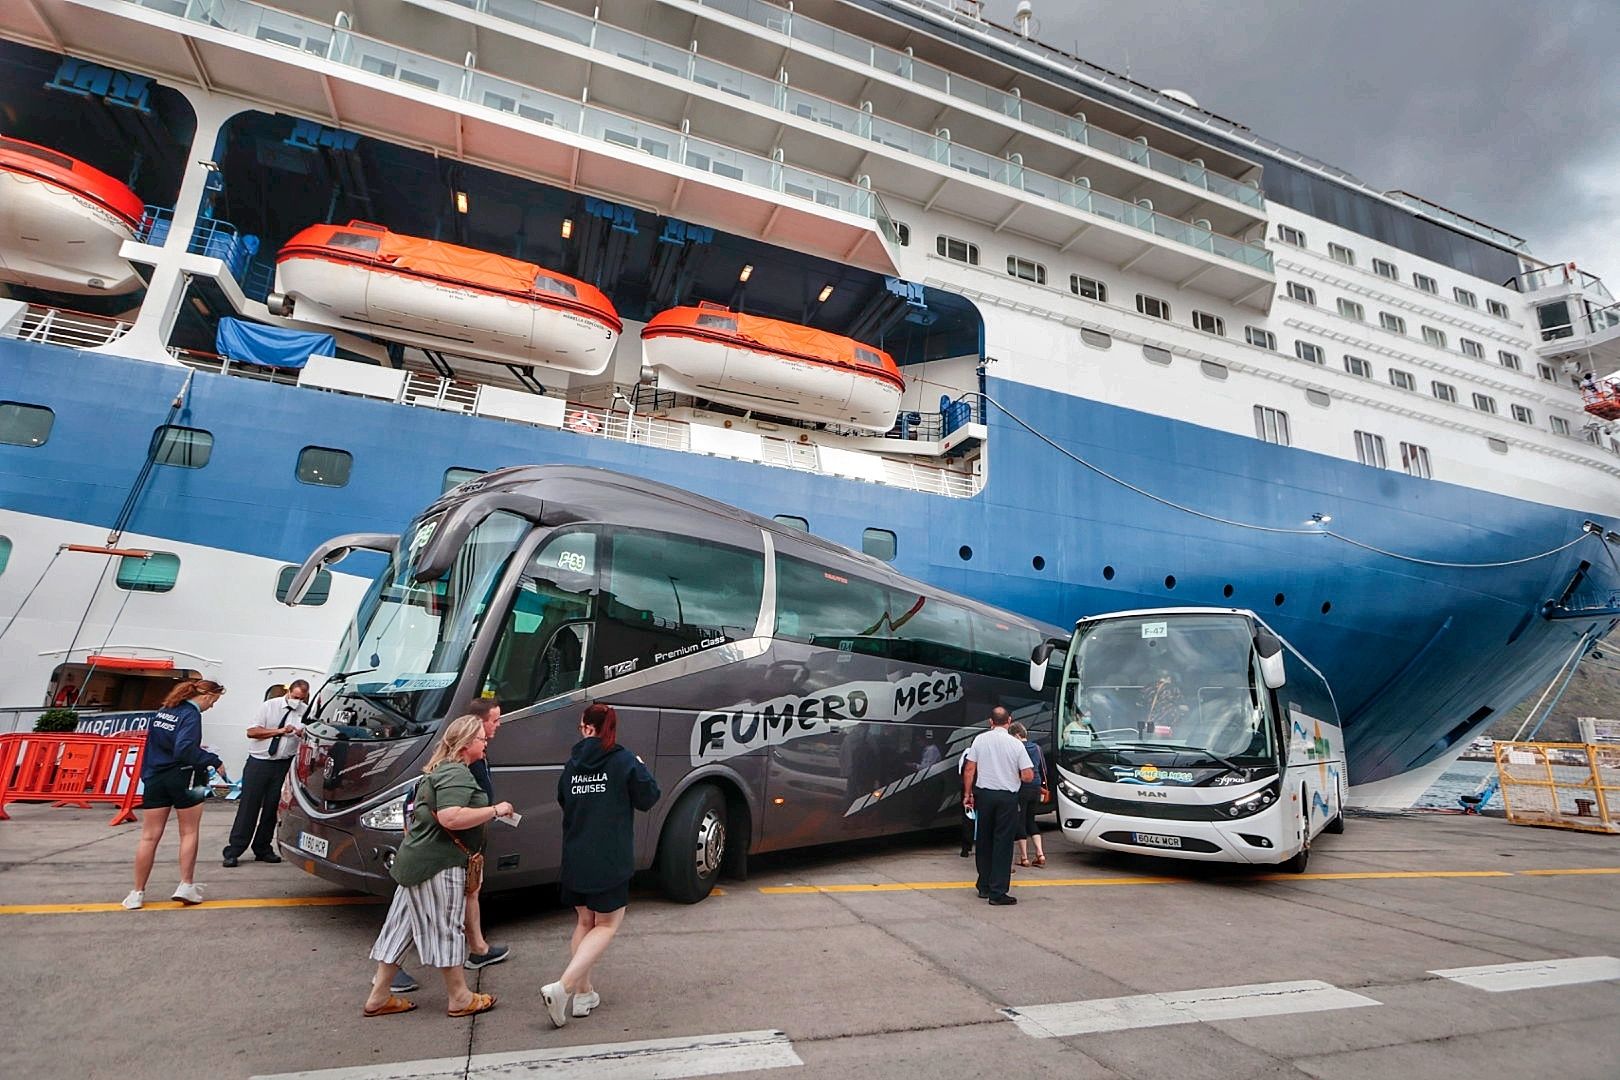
<point>1421,944</point>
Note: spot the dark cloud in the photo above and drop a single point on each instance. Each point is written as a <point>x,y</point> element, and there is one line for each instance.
<point>1502,111</point>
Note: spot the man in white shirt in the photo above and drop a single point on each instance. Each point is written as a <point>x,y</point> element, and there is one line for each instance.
<point>272,742</point>
<point>994,768</point>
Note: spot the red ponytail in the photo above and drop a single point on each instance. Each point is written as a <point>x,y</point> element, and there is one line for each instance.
<point>605,721</point>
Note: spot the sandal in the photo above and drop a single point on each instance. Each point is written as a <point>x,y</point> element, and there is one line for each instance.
<point>480,1003</point>
<point>1040,860</point>
<point>391,1006</point>
<point>1023,862</point>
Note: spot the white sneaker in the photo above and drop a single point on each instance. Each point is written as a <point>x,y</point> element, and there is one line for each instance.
<point>187,893</point>
<point>584,1003</point>
<point>134,900</point>
<point>558,1002</point>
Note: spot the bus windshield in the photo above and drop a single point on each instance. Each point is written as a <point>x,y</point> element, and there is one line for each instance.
<point>1186,685</point>
<point>405,648</point>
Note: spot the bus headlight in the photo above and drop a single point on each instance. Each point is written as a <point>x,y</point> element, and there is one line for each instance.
<point>389,817</point>
<point>1072,793</point>
<point>1254,803</point>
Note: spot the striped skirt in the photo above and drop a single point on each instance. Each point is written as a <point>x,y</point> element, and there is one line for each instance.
<point>429,915</point>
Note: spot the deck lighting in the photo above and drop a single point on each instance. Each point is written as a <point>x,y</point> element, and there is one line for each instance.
<point>1320,519</point>
<point>567,227</point>
<point>461,202</point>
<point>747,272</point>
<point>826,291</point>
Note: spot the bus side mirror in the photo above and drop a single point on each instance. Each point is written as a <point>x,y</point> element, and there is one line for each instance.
<point>1271,660</point>
<point>332,552</point>
<point>1037,665</point>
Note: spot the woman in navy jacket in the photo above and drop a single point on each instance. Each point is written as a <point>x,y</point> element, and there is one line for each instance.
<point>600,789</point>
<point>174,755</point>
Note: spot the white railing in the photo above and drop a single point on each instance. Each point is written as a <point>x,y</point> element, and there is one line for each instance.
<point>73,329</point>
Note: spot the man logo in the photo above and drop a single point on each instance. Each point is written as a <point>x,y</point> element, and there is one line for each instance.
<point>1148,774</point>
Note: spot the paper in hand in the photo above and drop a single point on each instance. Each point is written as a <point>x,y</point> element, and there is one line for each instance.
<point>511,819</point>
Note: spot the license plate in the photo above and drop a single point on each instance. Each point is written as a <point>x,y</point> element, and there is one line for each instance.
<point>1152,839</point>
<point>316,845</point>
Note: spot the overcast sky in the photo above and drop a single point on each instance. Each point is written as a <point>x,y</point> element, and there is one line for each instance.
<point>1506,112</point>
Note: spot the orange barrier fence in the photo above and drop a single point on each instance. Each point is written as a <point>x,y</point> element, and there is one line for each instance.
<point>72,770</point>
<point>1566,785</point>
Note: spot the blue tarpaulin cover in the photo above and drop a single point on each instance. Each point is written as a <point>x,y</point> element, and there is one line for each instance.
<point>271,346</point>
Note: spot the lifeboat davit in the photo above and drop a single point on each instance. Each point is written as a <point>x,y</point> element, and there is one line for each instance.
<point>434,295</point>
<point>774,367</point>
<point>62,222</point>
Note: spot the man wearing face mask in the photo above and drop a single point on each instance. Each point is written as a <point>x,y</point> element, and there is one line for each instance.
<point>272,742</point>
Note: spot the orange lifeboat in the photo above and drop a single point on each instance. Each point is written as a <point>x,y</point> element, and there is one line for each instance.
<point>62,223</point>
<point>773,367</point>
<point>434,295</point>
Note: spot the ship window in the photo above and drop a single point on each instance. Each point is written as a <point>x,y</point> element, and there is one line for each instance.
<point>1385,269</point>
<point>1402,380</point>
<point>545,283</point>
<point>1370,450</point>
<point>156,573</point>
<point>5,552</point>
<point>1212,370</point>
<point>1259,338</point>
<point>1358,367</point>
<point>1434,337</point>
<point>1290,235</point>
<point>1560,426</point>
<point>1320,398</point>
<point>718,322</point>
<point>1465,297</point>
<point>1026,269</point>
<point>1426,283</point>
<point>789,521</point>
<point>324,466</point>
<point>1554,320</point>
<point>1090,288</point>
<point>355,241</point>
<point>1499,446</point>
<point>1271,425</point>
<point>902,233</point>
<point>1546,372</point>
<point>1152,306</point>
<point>1471,348</point>
<point>1350,309</point>
<point>1311,354</point>
<point>454,478</point>
<point>25,425</point>
<point>1497,308</point>
<point>320,588</point>
<point>1155,355</point>
<point>1341,254</point>
<point>1209,324</point>
<point>1096,338</point>
<point>1415,460</point>
<point>187,448</point>
<point>1444,391</point>
<point>867,356</point>
<point>1522,414</point>
<point>1509,360</point>
<point>957,250</point>
<point>1393,323</point>
<point>879,543</point>
<point>1303,293</point>
<point>59,160</point>
<point>1485,403</point>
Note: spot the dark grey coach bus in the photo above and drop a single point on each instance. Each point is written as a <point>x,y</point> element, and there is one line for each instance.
<point>786,691</point>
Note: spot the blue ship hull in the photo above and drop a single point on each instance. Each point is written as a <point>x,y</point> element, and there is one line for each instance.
<point>1419,656</point>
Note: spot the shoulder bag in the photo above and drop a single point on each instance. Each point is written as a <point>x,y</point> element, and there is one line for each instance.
<point>475,859</point>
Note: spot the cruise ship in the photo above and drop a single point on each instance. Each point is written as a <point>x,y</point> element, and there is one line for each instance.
<point>884,270</point>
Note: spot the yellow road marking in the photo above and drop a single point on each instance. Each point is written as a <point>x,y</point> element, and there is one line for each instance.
<point>1023,883</point>
<point>208,905</point>
<point>1579,870</point>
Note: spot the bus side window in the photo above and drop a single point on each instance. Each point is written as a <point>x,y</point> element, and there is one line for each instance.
<point>545,638</point>
<point>932,632</point>
<point>1001,649</point>
<point>829,608</point>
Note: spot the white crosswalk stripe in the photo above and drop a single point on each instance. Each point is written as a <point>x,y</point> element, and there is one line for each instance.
<point>1182,1007</point>
<point>651,1059</point>
<point>1534,974</point>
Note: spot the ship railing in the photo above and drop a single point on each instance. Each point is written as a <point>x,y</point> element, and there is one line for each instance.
<point>429,74</point>
<point>211,237</point>
<point>1548,277</point>
<point>73,329</point>
<point>940,80</point>
<point>224,365</point>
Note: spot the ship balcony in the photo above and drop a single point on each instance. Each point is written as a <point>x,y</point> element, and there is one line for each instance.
<point>1578,318</point>
<point>348,80</point>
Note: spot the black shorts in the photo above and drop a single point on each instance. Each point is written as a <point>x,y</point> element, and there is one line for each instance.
<point>603,903</point>
<point>169,787</point>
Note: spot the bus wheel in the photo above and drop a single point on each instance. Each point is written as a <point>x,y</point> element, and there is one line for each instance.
<point>693,845</point>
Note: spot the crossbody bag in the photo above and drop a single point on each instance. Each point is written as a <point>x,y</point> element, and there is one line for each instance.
<point>475,859</point>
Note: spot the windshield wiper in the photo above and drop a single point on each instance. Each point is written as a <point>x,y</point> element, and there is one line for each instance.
<point>1212,755</point>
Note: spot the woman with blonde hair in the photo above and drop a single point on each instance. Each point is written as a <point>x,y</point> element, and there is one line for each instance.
<point>174,752</point>
<point>440,863</point>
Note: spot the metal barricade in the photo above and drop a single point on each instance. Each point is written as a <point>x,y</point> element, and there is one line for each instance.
<point>1564,785</point>
<point>72,770</point>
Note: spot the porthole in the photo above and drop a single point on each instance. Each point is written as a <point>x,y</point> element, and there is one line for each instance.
<point>1327,606</point>
<point>1038,563</point>
<point>1108,573</point>
<point>1155,355</point>
<point>965,552</point>
<point>1278,599</point>
<point>1227,592</point>
<point>1169,581</point>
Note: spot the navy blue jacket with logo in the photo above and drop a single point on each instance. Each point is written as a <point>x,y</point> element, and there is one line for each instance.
<point>600,792</point>
<point>175,738</point>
